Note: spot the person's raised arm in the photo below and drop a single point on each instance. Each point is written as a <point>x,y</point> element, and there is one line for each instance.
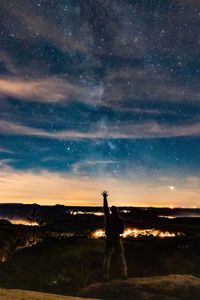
<point>105,203</point>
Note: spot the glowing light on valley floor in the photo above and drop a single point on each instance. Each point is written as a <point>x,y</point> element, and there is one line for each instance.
<point>167,217</point>
<point>98,214</point>
<point>23,222</point>
<point>134,232</point>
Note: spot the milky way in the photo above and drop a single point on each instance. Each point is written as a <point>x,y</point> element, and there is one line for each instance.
<point>102,91</point>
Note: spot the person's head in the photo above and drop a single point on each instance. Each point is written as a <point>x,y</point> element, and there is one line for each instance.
<point>114,210</point>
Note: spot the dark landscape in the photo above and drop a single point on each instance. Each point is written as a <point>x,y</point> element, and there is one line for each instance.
<point>58,240</point>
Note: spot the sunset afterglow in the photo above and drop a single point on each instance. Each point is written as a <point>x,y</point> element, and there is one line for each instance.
<point>60,188</point>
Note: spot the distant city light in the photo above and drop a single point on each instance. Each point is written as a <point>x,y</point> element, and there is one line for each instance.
<point>79,212</point>
<point>23,222</point>
<point>134,232</point>
<point>168,217</point>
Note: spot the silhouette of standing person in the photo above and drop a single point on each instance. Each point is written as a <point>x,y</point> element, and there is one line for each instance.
<point>114,226</point>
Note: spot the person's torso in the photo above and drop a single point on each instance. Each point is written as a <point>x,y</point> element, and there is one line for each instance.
<point>114,226</point>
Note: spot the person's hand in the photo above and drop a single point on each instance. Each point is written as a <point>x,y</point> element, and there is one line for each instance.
<point>104,194</point>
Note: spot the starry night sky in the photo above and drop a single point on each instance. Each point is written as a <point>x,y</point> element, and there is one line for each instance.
<point>100,94</point>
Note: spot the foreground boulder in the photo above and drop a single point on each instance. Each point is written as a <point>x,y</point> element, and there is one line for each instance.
<point>7,294</point>
<point>170,287</point>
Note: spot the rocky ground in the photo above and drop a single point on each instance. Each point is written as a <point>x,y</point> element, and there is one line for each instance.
<point>8,294</point>
<point>170,287</point>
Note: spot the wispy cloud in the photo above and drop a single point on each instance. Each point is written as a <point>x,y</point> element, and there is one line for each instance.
<point>5,150</point>
<point>108,131</point>
<point>32,22</point>
<point>52,89</point>
<point>118,90</point>
<point>148,84</point>
<point>83,167</point>
<point>145,76</point>
<point>5,164</point>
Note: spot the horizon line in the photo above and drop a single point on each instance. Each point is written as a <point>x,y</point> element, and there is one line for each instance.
<point>99,206</point>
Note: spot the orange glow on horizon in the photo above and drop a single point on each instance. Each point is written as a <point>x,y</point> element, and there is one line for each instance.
<point>48,188</point>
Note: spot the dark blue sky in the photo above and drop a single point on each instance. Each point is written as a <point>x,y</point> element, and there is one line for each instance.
<point>101,92</point>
